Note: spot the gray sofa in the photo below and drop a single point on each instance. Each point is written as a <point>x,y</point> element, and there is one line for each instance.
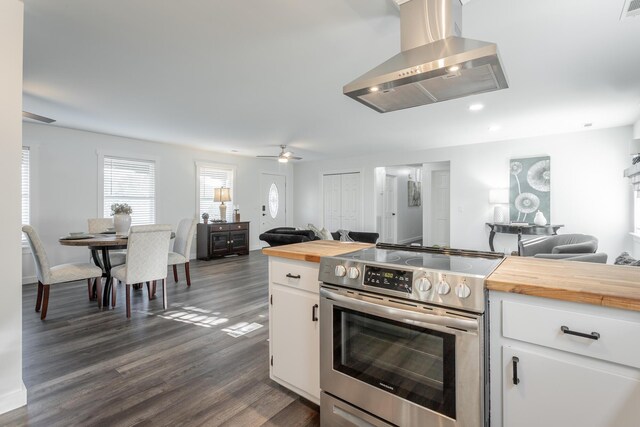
<point>570,247</point>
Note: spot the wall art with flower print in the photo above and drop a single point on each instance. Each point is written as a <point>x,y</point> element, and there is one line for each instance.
<point>530,188</point>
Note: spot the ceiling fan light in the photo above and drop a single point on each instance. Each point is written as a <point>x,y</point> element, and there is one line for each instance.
<point>283,159</point>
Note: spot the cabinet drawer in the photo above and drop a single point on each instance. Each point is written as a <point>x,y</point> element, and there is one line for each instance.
<point>617,340</point>
<point>298,274</point>
<point>239,226</point>
<point>218,227</point>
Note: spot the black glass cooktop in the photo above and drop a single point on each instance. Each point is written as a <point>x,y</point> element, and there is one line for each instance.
<point>454,261</point>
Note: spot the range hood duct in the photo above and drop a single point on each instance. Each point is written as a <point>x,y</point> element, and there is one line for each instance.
<point>436,64</point>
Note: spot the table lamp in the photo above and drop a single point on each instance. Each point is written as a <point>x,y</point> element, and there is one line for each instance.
<point>499,197</point>
<point>222,195</point>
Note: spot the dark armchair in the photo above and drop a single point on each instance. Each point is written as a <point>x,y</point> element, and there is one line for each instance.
<point>286,236</point>
<point>570,247</point>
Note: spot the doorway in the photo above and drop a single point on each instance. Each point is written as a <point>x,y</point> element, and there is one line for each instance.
<point>437,215</point>
<point>390,209</point>
<point>273,201</point>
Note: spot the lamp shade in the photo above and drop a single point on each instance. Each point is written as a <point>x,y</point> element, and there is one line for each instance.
<point>221,194</point>
<point>499,196</point>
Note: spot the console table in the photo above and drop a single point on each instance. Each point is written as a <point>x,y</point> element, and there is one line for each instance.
<point>529,229</point>
<point>222,238</point>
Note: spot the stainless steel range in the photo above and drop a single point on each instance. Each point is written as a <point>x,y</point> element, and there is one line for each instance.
<point>402,333</point>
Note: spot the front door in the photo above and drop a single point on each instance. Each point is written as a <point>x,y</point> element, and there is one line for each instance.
<point>272,201</point>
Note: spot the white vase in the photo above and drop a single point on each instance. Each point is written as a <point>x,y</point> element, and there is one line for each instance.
<point>122,222</point>
<point>540,219</point>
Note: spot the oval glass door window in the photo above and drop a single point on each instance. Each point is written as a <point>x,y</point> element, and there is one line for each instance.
<point>273,200</point>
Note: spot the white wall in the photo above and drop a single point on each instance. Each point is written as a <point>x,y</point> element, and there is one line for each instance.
<point>12,391</point>
<point>589,193</point>
<point>65,184</point>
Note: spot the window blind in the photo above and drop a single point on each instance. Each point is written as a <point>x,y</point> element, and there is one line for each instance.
<point>210,177</point>
<point>25,188</point>
<point>133,182</point>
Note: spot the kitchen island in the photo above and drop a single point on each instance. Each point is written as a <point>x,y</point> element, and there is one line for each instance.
<point>564,336</point>
<point>294,330</point>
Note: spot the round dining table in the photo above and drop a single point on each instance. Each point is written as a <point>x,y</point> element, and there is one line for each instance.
<point>100,243</point>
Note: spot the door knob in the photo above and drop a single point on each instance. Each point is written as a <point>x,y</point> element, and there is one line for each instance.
<point>393,214</point>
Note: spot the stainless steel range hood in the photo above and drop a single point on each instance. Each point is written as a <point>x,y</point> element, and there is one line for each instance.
<point>435,64</point>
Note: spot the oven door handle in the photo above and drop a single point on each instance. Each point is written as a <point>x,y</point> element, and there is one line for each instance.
<point>405,316</point>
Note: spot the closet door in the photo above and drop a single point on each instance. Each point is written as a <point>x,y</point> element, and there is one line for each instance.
<point>351,201</point>
<point>332,202</point>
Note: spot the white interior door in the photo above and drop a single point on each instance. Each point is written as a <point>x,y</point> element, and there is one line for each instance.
<point>273,201</point>
<point>351,202</point>
<point>332,200</point>
<point>440,207</point>
<point>390,209</point>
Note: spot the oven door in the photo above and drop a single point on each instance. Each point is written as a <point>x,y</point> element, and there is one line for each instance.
<point>405,363</point>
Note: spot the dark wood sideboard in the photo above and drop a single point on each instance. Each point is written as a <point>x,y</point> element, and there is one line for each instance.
<point>222,238</point>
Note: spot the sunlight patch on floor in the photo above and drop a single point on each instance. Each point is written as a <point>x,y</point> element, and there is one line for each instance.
<point>191,315</point>
<point>242,328</point>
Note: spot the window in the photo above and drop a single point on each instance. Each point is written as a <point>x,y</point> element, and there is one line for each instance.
<point>209,177</point>
<point>25,189</point>
<point>133,182</point>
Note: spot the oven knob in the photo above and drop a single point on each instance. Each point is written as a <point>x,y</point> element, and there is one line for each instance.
<point>340,271</point>
<point>423,284</point>
<point>353,273</point>
<point>463,291</point>
<point>443,288</point>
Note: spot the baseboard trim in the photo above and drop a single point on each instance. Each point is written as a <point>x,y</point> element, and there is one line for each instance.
<point>29,280</point>
<point>13,400</point>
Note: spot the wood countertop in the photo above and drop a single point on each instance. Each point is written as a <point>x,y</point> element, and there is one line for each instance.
<point>599,284</point>
<point>312,251</point>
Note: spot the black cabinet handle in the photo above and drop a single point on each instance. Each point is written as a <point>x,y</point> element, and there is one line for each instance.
<point>591,336</point>
<point>314,313</point>
<point>291,276</point>
<point>515,360</point>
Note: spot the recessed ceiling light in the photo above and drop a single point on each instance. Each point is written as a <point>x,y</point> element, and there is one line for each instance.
<point>374,89</point>
<point>476,107</point>
<point>588,125</point>
<point>454,68</point>
<point>494,128</point>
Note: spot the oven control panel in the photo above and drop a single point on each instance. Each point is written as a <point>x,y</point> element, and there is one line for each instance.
<point>388,278</point>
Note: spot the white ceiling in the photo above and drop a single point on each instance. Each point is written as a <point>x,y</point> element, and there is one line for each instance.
<point>251,75</point>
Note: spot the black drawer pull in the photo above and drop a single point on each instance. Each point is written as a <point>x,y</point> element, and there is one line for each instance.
<point>515,361</point>
<point>591,336</point>
<point>291,276</point>
<point>314,313</point>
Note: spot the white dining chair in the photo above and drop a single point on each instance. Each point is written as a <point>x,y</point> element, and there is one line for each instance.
<point>147,255</point>
<point>182,247</point>
<point>118,257</point>
<point>63,273</point>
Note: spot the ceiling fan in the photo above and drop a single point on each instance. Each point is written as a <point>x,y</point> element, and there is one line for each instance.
<point>36,117</point>
<point>284,156</point>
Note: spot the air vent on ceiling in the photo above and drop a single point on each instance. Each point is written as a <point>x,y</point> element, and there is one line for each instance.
<point>631,9</point>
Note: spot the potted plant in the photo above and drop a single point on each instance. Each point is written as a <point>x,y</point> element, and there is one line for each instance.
<point>205,218</point>
<point>121,213</point>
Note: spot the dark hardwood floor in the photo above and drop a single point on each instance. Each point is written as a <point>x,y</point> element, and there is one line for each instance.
<point>175,367</point>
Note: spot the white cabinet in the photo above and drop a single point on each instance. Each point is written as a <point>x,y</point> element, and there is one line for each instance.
<point>557,391</point>
<point>556,363</point>
<point>294,327</point>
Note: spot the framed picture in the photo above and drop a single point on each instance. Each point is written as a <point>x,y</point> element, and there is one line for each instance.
<point>530,188</point>
<point>415,193</point>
